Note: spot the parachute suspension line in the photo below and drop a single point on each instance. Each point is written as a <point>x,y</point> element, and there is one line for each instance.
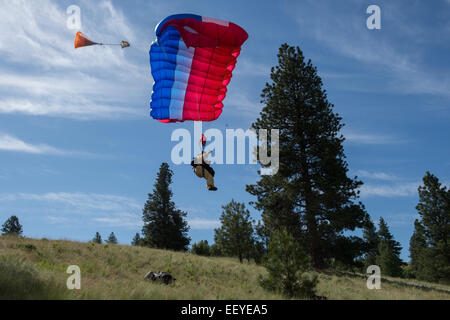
<point>203,165</point>
<point>203,151</point>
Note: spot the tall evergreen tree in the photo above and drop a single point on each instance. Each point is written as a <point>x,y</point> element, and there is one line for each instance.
<point>433,261</point>
<point>201,248</point>
<point>288,265</point>
<point>12,227</point>
<point>385,235</point>
<point>311,195</point>
<point>417,247</point>
<point>97,238</point>
<point>165,226</point>
<point>388,258</point>
<point>112,239</point>
<point>371,241</point>
<point>137,240</point>
<point>235,235</point>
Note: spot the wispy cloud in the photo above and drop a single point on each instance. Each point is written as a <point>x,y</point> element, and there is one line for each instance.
<point>249,67</point>
<point>64,208</point>
<point>127,220</point>
<point>13,144</point>
<point>375,175</point>
<point>370,138</point>
<point>109,210</point>
<point>87,83</point>
<point>58,220</point>
<point>203,224</point>
<point>345,33</point>
<point>243,104</point>
<point>402,219</point>
<point>389,191</point>
<point>85,110</point>
<point>78,201</point>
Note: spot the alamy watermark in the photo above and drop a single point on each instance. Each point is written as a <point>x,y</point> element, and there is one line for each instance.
<point>374,280</point>
<point>374,20</point>
<point>257,151</point>
<point>74,281</point>
<point>74,17</point>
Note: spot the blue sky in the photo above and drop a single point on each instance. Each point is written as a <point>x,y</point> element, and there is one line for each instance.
<point>79,152</point>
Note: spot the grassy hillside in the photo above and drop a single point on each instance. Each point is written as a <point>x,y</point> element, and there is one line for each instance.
<point>36,269</point>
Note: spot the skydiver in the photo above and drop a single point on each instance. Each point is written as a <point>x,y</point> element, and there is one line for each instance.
<point>202,169</point>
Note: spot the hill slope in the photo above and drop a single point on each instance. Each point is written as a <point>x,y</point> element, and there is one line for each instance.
<point>36,269</point>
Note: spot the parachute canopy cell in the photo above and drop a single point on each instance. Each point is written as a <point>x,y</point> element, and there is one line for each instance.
<point>192,62</point>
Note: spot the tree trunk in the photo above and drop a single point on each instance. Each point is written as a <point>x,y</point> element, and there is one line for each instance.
<point>311,223</point>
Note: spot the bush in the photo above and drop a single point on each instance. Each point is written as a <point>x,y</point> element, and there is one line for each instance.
<point>215,250</point>
<point>289,268</point>
<point>408,272</point>
<point>201,248</point>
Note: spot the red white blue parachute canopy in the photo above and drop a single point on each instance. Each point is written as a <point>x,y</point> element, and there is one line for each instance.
<point>192,62</point>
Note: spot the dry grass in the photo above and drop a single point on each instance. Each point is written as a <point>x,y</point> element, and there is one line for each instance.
<point>36,269</point>
<point>117,272</point>
<point>351,288</point>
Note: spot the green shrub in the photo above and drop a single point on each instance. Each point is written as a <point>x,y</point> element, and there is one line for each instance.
<point>201,248</point>
<point>289,268</point>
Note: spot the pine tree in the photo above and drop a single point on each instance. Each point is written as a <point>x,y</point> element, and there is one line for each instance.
<point>385,235</point>
<point>137,240</point>
<point>371,239</point>
<point>388,258</point>
<point>310,195</point>
<point>215,250</point>
<point>164,226</point>
<point>97,238</point>
<point>288,266</point>
<point>235,236</point>
<point>12,227</point>
<point>417,247</point>
<point>201,248</point>
<point>433,260</point>
<point>112,239</point>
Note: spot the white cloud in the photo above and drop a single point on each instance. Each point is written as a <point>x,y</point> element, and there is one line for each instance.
<point>203,224</point>
<point>243,104</point>
<point>389,191</point>
<point>126,220</point>
<point>13,144</point>
<point>66,208</point>
<point>67,109</point>
<point>402,219</point>
<point>249,67</point>
<point>106,209</point>
<point>370,138</point>
<point>78,201</point>
<point>346,34</point>
<point>58,220</point>
<point>375,175</point>
<point>86,83</point>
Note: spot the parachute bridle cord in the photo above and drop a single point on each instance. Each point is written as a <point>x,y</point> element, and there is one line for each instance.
<point>123,44</point>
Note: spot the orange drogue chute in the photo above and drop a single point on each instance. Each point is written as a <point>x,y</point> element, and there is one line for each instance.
<point>82,41</point>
